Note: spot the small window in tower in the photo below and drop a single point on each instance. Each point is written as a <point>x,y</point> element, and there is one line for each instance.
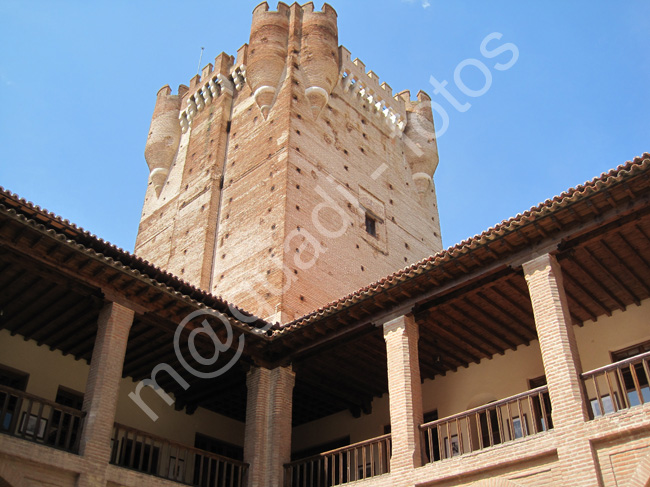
<point>371,225</point>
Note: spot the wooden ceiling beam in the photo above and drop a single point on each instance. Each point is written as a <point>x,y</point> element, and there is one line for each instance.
<point>612,277</point>
<point>368,384</point>
<point>505,327</point>
<point>17,289</point>
<point>573,281</point>
<point>629,269</point>
<point>71,328</point>
<point>72,331</point>
<point>59,306</point>
<point>82,349</point>
<point>449,346</point>
<point>531,332</point>
<point>74,342</point>
<point>637,252</point>
<point>482,324</point>
<point>526,295</point>
<point>71,314</point>
<point>469,337</point>
<point>586,270</point>
<point>202,390</point>
<point>321,397</point>
<point>45,300</point>
<point>524,312</point>
<point>444,359</point>
<point>335,389</point>
<point>483,327</point>
<point>146,356</point>
<point>24,300</point>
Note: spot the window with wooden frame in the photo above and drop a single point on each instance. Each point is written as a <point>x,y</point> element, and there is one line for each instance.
<point>14,379</point>
<point>69,397</point>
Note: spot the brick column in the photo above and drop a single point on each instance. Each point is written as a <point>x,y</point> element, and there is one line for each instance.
<point>100,398</point>
<point>562,367</point>
<point>267,440</point>
<point>405,392</point>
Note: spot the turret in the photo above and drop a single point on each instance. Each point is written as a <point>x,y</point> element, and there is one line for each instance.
<point>164,136</point>
<point>267,53</point>
<point>319,58</point>
<point>421,148</point>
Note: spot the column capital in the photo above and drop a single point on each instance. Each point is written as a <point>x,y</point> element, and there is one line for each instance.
<point>402,322</point>
<point>545,262</point>
<point>394,314</point>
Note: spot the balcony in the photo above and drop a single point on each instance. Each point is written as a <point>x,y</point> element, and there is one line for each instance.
<point>36,419</point>
<point>509,419</point>
<point>170,460</point>
<point>618,386</point>
<point>346,464</point>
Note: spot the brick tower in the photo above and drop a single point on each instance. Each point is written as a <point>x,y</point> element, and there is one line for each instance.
<point>288,177</point>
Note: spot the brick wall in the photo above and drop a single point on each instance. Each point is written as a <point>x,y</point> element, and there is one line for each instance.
<point>267,442</point>
<point>100,398</point>
<point>405,392</point>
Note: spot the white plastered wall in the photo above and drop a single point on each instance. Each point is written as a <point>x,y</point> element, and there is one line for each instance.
<point>50,369</point>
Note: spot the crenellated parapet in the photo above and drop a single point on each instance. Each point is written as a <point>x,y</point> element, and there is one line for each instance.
<point>365,88</point>
<point>267,53</point>
<point>319,54</point>
<point>210,85</point>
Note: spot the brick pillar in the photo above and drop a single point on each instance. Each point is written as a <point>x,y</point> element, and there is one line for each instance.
<point>405,392</point>
<point>267,440</point>
<point>100,398</point>
<point>562,367</point>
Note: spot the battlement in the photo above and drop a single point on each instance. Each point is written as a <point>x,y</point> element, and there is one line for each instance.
<point>414,105</point>
<point>263,8</point>
<point>377,98</point>
<point>284,9</point>
<point>326,10</point>
<point>211,84</point>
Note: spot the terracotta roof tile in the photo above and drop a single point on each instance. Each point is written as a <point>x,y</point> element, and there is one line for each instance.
<point>605,180</point>
<point>63,229</point>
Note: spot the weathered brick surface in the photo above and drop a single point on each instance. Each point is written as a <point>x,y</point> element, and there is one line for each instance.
<point>100,398</point>
<point>562,368</point>
<point>405,392</point>
<point>263,201</point>
<point>294,174</point>
<point>267,442</point>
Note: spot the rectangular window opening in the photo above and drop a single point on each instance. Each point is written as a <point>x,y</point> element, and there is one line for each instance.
<point>371,225</point>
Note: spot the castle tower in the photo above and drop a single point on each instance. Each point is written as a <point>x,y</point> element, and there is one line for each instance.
<point>289,177</point>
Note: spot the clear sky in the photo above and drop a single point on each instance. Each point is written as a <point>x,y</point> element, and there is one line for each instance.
<point>78,82</point>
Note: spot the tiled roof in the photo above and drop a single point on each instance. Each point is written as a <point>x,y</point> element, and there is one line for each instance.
<point>111,253</point>
<point>566,199</point>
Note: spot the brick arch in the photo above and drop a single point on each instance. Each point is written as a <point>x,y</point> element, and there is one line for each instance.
<point>9,476</point>
<point>641,476</point>
<point>497,482</point>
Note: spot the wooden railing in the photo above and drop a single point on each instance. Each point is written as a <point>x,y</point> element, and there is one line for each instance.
<point>617,386</point>
<point>164,458</point>
<point>36,419</point>
<point>335,467</point>
<point>506,420</point>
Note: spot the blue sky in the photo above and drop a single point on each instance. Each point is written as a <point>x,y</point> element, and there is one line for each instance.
<point>78,82</point>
